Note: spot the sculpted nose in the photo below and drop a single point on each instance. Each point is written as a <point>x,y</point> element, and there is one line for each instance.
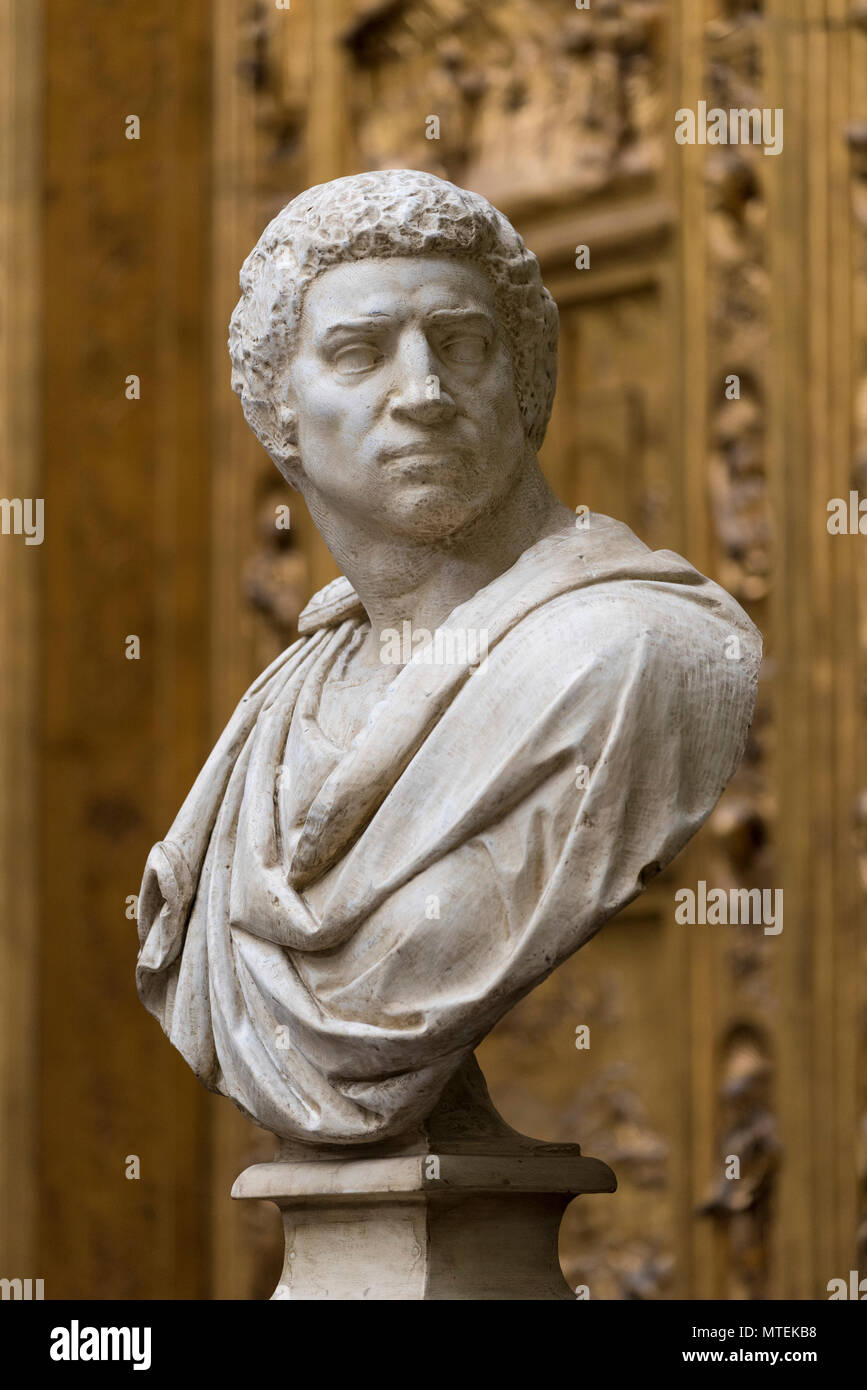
<point>418,394</point>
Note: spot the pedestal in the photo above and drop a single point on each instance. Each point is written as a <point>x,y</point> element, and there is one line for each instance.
<point>464,1207</point>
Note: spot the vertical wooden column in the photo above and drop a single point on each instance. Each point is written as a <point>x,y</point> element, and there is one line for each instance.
<point>819,756</point>
<point>846,308</point>
<point>240,83</point>
<point>20,190</point>
<point>791,620</point>
<point>124,279</point>
<point>852,164</point>
<point>691,368</point>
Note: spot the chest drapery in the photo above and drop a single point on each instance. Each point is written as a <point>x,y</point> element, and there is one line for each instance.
<point>327,933</point>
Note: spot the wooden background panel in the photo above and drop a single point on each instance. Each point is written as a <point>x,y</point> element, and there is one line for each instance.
<point>20,189</point>
<point>850,104</point>
<point>817,748</point>
<point>625,1098</point>
<point>124,284</point>
<point>536,103</point>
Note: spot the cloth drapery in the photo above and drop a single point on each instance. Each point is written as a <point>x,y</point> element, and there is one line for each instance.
<point>327,933</point>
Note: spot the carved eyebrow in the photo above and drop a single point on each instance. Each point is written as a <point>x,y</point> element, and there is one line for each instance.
<point>375,319</point>
<point>379,320</point>
<point>447,316</point>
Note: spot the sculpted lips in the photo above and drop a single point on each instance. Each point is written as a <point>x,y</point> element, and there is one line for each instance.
<point>425,459</point>
<point>421,448</point>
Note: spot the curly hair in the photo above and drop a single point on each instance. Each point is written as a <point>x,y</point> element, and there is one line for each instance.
<point>389,212</point>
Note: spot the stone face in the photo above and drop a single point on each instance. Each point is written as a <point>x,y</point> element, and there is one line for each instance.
<point>489,736</point>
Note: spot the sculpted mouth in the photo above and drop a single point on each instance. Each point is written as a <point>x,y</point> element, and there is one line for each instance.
<point>423,447</point>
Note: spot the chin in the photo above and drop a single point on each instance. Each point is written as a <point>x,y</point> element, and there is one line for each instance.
<point>431,513</point>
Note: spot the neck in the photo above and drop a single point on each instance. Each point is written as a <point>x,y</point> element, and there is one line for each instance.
<point>406,580</point>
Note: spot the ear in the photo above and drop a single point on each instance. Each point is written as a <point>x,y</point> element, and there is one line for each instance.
<point>276,428</point>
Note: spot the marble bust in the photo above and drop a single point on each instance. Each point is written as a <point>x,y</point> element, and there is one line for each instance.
<point>489,735</point>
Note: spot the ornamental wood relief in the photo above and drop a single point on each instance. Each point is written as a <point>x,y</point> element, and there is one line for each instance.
<point>533,102</point>
<point>741,831</point>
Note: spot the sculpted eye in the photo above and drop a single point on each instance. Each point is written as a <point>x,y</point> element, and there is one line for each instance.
<point>469,349</point>
<point>357,357</point>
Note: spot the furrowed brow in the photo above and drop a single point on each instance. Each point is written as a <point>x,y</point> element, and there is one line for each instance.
<point>457,316</point>
<point>375,319</point>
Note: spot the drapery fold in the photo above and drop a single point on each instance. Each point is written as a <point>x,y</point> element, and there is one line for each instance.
<point>326,934</point>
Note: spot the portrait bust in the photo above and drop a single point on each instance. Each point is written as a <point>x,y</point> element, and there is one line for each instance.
<point>491,733</point>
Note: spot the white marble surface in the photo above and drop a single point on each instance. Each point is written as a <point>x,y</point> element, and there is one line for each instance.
<point>377,861</point>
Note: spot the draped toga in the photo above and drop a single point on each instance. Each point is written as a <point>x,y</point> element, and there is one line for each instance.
<point>328,932</point>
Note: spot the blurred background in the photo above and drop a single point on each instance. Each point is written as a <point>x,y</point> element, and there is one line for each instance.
<point>120,245</point>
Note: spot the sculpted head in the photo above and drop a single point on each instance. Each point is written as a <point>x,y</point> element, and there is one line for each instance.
<point>395,351</point>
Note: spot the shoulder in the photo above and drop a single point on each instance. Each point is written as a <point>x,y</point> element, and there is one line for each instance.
<point>660,623</point>
<point>661,672</point>
<point>615,614</point>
